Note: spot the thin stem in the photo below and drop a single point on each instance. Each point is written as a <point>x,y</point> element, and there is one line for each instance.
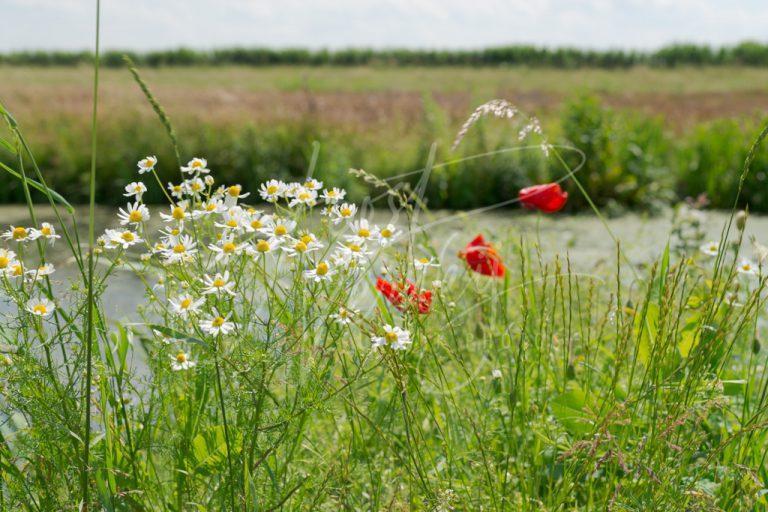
<point>85,469</point>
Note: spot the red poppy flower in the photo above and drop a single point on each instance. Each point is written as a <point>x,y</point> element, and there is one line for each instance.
<point>548,198</point>
<point>482,258</point>
<point>396,294</point>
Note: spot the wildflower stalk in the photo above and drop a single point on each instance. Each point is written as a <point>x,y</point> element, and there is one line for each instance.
<point>89,337</point>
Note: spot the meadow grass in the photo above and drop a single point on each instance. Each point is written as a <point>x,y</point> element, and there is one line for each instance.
<point>291,355</point>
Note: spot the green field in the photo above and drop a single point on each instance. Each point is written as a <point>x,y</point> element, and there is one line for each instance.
<point>255,122</point>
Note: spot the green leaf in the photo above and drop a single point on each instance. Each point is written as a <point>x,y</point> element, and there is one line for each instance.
<point>173,333</point>
<point>569,408</point>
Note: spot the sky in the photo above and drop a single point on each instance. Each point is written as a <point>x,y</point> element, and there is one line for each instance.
<point>205,24</point>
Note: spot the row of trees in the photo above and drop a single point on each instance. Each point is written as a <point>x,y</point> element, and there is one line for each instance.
<point>745,54</point>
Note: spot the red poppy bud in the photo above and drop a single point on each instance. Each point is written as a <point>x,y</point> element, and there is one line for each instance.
<point>482,258</point>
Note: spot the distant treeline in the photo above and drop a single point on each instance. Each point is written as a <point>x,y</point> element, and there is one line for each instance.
<point>744,54</point>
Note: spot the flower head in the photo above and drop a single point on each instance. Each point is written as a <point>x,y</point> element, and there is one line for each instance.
<point>185,304</point>
<point>181,362</point>
<point>196,166</point>
<point>135,189</point>
<point>147,164</point>
<point>217,324</point>
<point>393,337</point>
<point>482,258</point>
<point>547,198</point>
<point>218,284</point>
<point>710,248</point>
<point>135,213</point>
<point>41,307</point>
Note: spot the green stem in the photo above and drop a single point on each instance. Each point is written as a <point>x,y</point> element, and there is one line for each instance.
<point>85,469</point>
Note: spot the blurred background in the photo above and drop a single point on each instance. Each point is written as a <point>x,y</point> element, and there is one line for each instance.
<point>663,96</point>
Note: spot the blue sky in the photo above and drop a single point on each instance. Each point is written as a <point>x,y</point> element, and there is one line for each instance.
<point>151,24</point>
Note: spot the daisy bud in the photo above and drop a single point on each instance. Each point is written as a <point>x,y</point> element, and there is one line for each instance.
<point>437,284</point>
<point>741,220</point>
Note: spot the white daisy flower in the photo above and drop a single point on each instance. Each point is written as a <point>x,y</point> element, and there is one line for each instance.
<point>18,234</point>
<point>16,269</point>
<point>272,190</point>
<point>746,267</point>
<point>425,263</point>
<point>135,188</point>
<point>234,193</point>
<point>178,249</point>
<point>7,259</point>
<point>234,218</point>
<point>181,362</point>
<point>388,235</point>
<point>217,324</point>
<point>178,213</point>
<point>394,337</point>
<point>305,196</point>
<point>496,374</point>
<point>352,251</point>
<point>219,284</point>
<point>147,164</point>
<point>362,231</point>
<point>305,244</point>
<point>710,248</point>
<point>321,272</point>
<point>176,190</point>
<point>41,271</point>
<point>46,231</point>
<point>342,212</point>
<point>226,247</point>
<point>185,304</point>
<point>333,195</point>
<point>278,228</point>
<point>344,315</point>
<point>254,220</point>
<point>194,186</point>
<point>196,166</point>
<point>209,207</point>
<point>313,184</point>
<point>121,238</point>
<point>41,306</point>
<point>265,246</point>
<point>135,213</point>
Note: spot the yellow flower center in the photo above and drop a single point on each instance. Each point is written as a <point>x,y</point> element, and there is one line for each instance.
<point>135,216</point>
<point>256,224</point>
<point>210,207</point>
<point>228,247</point>
<point>186,303</point>
<point>386,233</point>
<point>331,193</point>
<point>179,248</point>
<point>232,223</point>
<point>300,246</point>
<point>272,189</point>
<point>354,247</point>
<point>424,260</point>
<point>46,231</point>
<point>280,230</point>
<point>150,162</point>
<point>196,164</point>
<point>177,188</point>
<point>218,282</point>
<point>322,268</point>
<point>234,190</point>
<point>304,196</point>
<point>175,231</point>
<point>40,309</point>
<point>18,270</point>
<point>128,236</point>
<point>345,212</point>
<point>262,246</point>
<point>4,261</point>
<point>19,233</point>
<point>181,357</point>
<point>178,213</point>
<point>218,321</point>
<point>363,233</point>
<point>196,186</point>
<point>390,336</point>
<point>306,239</point>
